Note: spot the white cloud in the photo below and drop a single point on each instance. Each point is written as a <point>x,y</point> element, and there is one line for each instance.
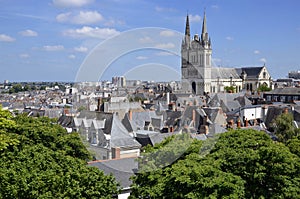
<point>145,40</point>
<point>167,33</point>
<point>28,33</point>
<point>256,52</point>
<point>165,45</point>
<point>162,9</point>
<point>229,38</point>
<point>24,55</point>
<point>141,57</point>
<point>72,56</point>
<point>81,49</point>
<point>113,22</point>
<point>71,3</point>
<point>83,17</point>
<point>164,53</point>
<point>53,48</point>
<point>194,18</point>
<point>264,60</point>
<point>6,38</point>
<point>87,31</point>
<point>215,7</point>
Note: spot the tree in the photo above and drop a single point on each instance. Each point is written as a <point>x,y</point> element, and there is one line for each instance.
<point>241,164</point>
<point>284,129</point>
<point>229,89</point>
<point>264,88</point>
<point>39,159</point>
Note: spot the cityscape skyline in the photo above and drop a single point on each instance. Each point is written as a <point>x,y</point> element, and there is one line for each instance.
<point>50,40</point>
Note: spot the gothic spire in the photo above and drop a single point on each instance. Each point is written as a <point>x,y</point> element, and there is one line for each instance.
<point>204,29</point>
<point>187,26</point>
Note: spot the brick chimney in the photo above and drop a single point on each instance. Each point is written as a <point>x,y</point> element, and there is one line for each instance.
<point>246,123</point>
<point>238,123</point>
<point>116,152</point>
<point>130,115</point>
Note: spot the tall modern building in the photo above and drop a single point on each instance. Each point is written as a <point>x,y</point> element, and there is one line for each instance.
<point>198,76</point>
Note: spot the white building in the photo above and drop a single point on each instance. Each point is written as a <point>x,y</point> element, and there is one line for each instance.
<point>198,76</point>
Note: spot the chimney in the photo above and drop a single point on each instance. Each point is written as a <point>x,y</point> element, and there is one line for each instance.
<point>171,129</point>
<point>238,123</point>
<point>286,111</point>
<point>130,115</point>
<point>168,98</point>
<point>116,153</point>
<point>194,117</point>
<point>246,123</point>
<point>99,104</point>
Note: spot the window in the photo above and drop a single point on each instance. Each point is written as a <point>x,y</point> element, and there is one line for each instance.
<point>264,75</point>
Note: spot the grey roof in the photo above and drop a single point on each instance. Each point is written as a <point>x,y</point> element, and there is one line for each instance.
<point>252,72</point>
<point>285,91</point>
<point>121,169</point>
<point>224,73</point>
<point>157,123</point>
<point>129,125</point>
<point>120,136</point>
<point>99,124</point>
<point>99,116</point>
<point>139,118</point>
<point>215,129</point>
<point>228,101</point>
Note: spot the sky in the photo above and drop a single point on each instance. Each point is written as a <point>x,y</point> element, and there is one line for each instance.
<point>91,40</point>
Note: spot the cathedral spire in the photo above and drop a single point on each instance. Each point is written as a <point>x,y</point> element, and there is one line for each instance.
<point>187,26</point>
<point>204,29</point>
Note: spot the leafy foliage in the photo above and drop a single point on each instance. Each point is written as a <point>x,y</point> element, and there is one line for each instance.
<point>39,159</point>
<point>284,129</point>
<point>241,164</point>
<point>264,88</point>
<point>230,89</point>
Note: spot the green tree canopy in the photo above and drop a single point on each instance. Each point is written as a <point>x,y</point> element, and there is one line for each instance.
<point>241,164</point>
<point>39,159</point>
<point>284,128</point>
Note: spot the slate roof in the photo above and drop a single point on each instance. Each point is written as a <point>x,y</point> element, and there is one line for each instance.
<point>145,137</point>
<point>121,169</point>
<point>129,125</point>
<point>99,116</point>
<point>65,121</point>
<point>252,72</point>
<point>120,136</point>
<point>139,118</point>
<point>224,73</point>
<point>285,91</point>
<point>228,101</point>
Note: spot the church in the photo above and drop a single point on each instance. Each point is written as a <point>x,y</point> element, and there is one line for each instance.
<point>198,76</point>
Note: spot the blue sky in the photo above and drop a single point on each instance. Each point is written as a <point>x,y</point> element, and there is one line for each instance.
<point>59,40</point>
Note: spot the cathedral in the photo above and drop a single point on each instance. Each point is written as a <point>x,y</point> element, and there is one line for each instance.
<point>198,76</point>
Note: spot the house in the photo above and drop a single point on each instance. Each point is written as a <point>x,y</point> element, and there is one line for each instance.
<point>288,94</point>
<point>122,169</point>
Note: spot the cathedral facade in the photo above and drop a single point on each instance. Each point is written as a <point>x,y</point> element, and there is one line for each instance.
<point>198,76</point>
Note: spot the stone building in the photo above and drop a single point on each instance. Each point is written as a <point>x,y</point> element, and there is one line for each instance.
<point>198,76</point>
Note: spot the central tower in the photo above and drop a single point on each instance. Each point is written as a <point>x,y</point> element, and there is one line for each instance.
<point>196,61</point>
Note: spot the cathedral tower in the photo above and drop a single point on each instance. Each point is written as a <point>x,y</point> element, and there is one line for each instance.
<point>196,61</point>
